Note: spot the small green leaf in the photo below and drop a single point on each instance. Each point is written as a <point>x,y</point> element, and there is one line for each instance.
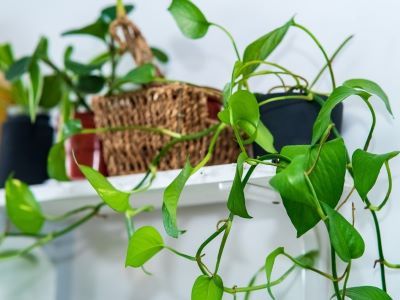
<point>35,88</point>
<point>171,198</point>
<point>56,162</point>
<point>140,75</point>
<point>366,168</point>
<point>116,199</point>
<point>261,48</point>
<point>143,245</point>
<point>109,14</point>
<point>366,293</point>
<point>90,84</point>
<point>42,48</point>
<point>264,138</point>
<point>269,265</point>
<point>52,92</point>
<point>98,29</point>
<point>100,59</point>
<point>236,200</point>
<point>18,68</point>
<point>207,288</point>
<point>71,127</point>
<point>345,239</point>
<point>189,18</point>
<point>371,88</point>
<point>160,55</point>
<point>77,67</point>
<point>22,207</point>
<point>6,57</point>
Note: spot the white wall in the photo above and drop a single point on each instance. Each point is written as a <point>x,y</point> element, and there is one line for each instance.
<point>373,54</point>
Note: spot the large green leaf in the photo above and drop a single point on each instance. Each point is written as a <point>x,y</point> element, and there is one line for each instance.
<point>366,168</point>
<point>90,84</point>
<point>345,239</point>
<point>98,29</point>
<point>327,179</point>
<point>18,68</point>
<point>189,18</point>
<point>6,57</point>
<point>116,199</point>
<point>261,48</point>
<point>236,200</point>
<point>109,13</point>
<point>171,198</point>
<point>52,92</point>
<point>366,293</point>
<point>269,265</point>
<point>56,162</point>
<point>371,88</point>
<point>143,245</point>
<point>207,288</point>
<point>22,207</point>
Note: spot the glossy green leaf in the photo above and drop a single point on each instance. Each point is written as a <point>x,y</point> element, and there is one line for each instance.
<point>371,88</point>
<point>236,199</point>
<point>160,55</point>
<point>18,68</point>
<point>77,67</point>
<point>90,84</point>
<point>52,92</point>
<point>6,57</point>
<point>109,14</point>
<point>116,199</point>
<point>98,29</point>
<point>71,127</point>
<point>366,293</point>
<point>35,88</point>
<point>366,168</point>
<point>100,59</point>
<point>140,75</point>
<point>189,18</point>
<point>22,207</point>
<point>56,162</point>
<point>143,245</point>
<point>269,265</point>
<point>261,48</point>
<point>327,179</point>
<point>171,198</point>
<point>345,239</point>
<point>207,288</point>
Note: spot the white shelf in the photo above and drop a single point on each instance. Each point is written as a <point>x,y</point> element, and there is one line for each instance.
<point>209,185</point>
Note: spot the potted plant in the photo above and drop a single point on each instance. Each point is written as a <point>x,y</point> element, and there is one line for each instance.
<point>27,134</point>
<point>309,178</point>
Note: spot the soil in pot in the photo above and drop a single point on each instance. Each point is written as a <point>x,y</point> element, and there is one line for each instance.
<point>86,147</point>
<point>291,121</point>
<point>24,148</point>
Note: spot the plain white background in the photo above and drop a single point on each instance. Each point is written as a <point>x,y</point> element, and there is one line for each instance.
<point>373,54</point>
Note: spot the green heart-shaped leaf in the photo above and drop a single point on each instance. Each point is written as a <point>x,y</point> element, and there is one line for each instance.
<point>207,288</point>
<point>366,293</point>
<point>143,245</point>
<point>140,75</point>
<point>189,18</point>
<point>22,207</point>
<point>160,55</point>
<point>345,239</point>
<point>98,29</point>
<point>56,162</point>
<point>52,92</point>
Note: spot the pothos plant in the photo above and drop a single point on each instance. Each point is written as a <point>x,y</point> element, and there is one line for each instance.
<point>309,178</point>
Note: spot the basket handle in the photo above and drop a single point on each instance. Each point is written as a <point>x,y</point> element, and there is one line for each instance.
<point>132,41</point>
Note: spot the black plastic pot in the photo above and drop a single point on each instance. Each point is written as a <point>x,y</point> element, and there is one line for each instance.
<point>24,148</point>
<point>291,121</point>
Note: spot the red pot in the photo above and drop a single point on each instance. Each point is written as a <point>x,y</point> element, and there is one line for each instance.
<point>86,147</point>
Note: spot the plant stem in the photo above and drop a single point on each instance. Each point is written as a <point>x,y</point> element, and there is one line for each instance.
<point>337,51</point>
<point>389,190</point>
<point>69,214</point>
<point>334,273</point>
<point>315,198</point>
<point>346,280</point>
<point>223,242</point>
<point>230,38</point>
<point>380,249</point>
<point>191,258</point>
<point>371,131</point>
<point>128,224</point>
<point>297,97</point>
<point>328,62</point>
